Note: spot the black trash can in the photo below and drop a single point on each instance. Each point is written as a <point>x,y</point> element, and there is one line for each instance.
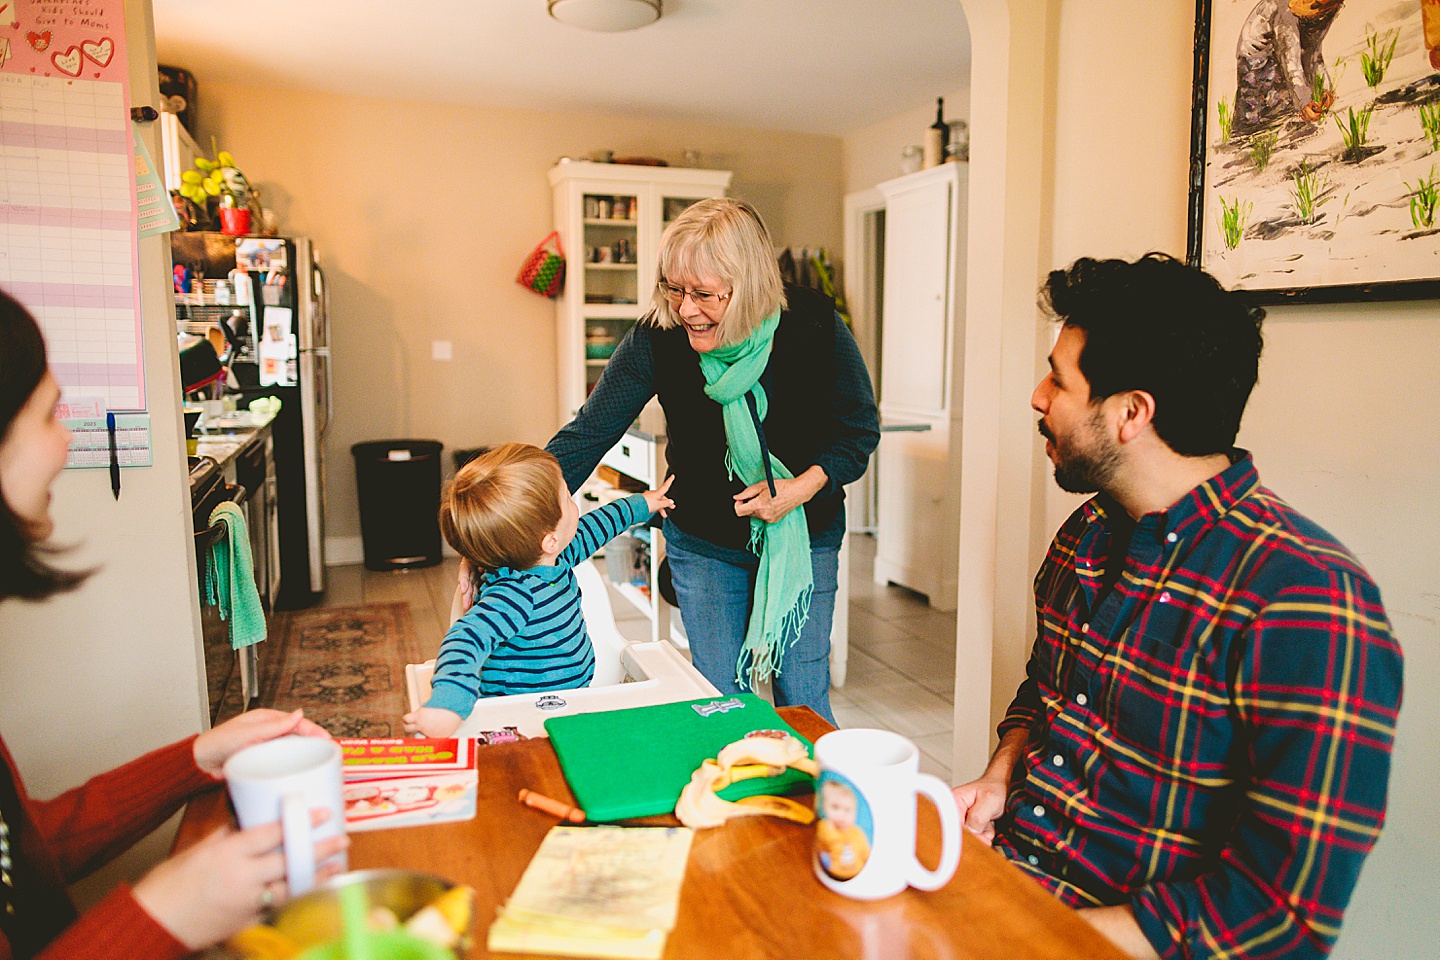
<point>465,454</point>
<point>399,485</point>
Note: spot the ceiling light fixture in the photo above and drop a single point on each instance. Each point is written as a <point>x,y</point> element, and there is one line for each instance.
<point>608,16</point>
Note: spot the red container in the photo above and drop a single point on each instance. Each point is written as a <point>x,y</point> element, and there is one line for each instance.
<point>234,221</point>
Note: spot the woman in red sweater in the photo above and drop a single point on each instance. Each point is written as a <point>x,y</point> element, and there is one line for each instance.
<point>190,901</point>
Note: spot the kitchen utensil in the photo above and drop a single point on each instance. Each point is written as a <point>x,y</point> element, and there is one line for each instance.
<point>315,919</point>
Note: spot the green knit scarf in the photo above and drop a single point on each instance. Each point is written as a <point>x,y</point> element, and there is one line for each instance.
<point>785,581</point>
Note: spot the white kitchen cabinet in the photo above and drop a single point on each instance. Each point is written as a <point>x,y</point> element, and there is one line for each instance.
<point>918,476</point>
<point>622,210</point>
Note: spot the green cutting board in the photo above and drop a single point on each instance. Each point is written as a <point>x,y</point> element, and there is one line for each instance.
<point>634,763</point>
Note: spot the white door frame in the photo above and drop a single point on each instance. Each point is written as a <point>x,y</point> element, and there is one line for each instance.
<point>1011,106</point>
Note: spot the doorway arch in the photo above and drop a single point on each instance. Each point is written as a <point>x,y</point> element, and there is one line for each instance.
<point>1013,47</point>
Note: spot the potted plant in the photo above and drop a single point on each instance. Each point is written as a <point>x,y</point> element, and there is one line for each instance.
<point>220,178</point>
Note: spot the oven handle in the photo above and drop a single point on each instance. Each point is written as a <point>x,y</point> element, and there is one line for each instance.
<point>208,538</point>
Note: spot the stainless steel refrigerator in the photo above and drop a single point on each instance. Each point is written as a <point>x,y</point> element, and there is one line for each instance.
<point>281,320</point>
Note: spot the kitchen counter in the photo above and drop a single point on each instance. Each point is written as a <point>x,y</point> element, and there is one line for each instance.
<point>231,435</point>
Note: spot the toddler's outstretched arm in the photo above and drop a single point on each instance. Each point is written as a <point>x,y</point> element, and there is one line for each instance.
<point>432,722</point>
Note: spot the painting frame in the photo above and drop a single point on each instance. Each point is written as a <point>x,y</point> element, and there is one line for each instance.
<point>1368,289</point>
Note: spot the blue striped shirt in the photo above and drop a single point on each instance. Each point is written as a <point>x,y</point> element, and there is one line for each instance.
<point>525,632</point>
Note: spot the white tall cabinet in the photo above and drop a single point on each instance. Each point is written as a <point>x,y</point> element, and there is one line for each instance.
<point>610,218</point>
<point>617,212</point>
<point>920,363</point>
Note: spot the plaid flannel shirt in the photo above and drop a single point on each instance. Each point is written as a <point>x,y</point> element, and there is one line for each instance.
<point>1211,743</point>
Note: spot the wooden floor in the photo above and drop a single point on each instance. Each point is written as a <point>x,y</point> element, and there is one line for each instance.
<point>901,673</point>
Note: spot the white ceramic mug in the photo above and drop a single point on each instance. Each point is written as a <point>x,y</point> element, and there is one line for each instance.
<point>283,779</point>
<point>865,809</point>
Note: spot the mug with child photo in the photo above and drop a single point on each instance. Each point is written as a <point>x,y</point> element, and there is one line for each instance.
<point>517,625</point>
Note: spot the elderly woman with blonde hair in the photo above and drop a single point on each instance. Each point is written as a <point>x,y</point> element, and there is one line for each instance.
<point>769,413</point>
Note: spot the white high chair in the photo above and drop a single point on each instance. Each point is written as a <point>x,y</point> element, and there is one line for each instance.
<point>626,675</point>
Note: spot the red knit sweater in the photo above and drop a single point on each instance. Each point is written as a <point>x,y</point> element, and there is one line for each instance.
<point>79,831</point>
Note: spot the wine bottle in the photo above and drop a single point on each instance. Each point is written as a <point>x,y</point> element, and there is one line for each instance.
<point>936,136</point>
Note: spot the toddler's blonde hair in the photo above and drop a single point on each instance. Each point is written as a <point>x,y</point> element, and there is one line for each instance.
<point>499,506</point>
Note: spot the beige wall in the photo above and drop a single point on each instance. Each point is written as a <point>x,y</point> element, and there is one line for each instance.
<point>872,154</point>
<point>423,213</point>
<point>94,678</point>
<point>1342,423</point>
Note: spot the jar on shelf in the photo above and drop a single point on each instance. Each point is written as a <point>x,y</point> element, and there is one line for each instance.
<point>603,209</point>
<point>911,159</point>
<point>958,146</point>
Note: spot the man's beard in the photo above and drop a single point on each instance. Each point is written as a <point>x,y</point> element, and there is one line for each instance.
<point>1084,470</point>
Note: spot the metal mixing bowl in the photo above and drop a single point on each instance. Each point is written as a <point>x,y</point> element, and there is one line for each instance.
<point>314,918</point>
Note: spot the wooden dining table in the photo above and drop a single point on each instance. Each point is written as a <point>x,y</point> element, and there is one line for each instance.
<point>749,889</point>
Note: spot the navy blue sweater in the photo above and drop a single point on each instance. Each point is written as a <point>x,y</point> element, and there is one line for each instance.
<point>525,632</point>
<point>629,381</point>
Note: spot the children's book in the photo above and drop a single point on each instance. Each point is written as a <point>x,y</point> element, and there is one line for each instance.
<point>394,782</point>
<point>383,757</point>
<point>597,892</point>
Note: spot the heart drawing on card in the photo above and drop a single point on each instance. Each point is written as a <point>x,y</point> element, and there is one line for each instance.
<point>68,63</point>
<point>99,50</point>
<point>38,40</point>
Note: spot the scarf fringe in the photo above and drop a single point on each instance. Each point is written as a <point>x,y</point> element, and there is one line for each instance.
<point>764,661</point>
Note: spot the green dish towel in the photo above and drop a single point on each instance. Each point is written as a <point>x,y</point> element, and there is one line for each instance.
<point>230,577</point>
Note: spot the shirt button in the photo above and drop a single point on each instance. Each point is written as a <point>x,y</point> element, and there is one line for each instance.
<point>1058,760</point>
<point>1081,699</point>
<point>1034,860</point>
<point>1085,628</point>
<point>1039,811</point>
<point>1171,538</point>
<point>1165,596</point>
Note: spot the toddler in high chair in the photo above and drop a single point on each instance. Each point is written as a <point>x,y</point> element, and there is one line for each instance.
<point>509,515</point>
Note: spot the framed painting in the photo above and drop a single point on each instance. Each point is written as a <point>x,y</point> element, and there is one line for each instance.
<point>1315,148</point>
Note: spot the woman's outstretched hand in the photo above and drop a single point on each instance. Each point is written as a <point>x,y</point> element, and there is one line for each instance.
<point>221,884</point>
<point>218,744</point>
<point>755,500</point>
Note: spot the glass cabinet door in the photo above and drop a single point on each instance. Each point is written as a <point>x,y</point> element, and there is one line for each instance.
<point>672,207</point>
<point>611,276</point>
<point>610,251</point>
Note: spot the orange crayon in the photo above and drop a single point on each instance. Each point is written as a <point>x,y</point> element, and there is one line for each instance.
<point>555,808</point>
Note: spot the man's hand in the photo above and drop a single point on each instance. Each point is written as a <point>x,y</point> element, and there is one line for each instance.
<point>755,500</point>
<point>218,744</point>
<point>432,722</point>
<point>1118,926</point>
<point>981,803</point>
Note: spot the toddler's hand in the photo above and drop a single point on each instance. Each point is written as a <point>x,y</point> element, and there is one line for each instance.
<point>657,500</point>
<point>432,722</point>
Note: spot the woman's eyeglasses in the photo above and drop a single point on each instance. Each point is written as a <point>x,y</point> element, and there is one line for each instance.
<point>701,298</point>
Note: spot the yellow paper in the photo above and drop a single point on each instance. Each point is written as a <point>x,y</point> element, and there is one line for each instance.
<point>597,892</point>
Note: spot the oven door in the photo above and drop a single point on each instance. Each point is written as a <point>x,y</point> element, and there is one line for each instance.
<point>231,677</point>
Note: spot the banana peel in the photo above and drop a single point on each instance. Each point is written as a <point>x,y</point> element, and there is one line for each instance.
<point>444,920</point>
<point>263,943</point>
<point>753,756</point>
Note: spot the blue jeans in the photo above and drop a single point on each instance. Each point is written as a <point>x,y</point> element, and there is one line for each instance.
<point>715,599</point>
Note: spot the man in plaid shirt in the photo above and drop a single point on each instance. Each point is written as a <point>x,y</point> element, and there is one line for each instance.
<point>1198,757</point>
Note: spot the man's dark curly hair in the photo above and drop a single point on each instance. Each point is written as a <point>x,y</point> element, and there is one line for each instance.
<point>1171,330</point>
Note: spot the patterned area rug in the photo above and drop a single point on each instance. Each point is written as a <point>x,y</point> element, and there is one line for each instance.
<point>345,666</point>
